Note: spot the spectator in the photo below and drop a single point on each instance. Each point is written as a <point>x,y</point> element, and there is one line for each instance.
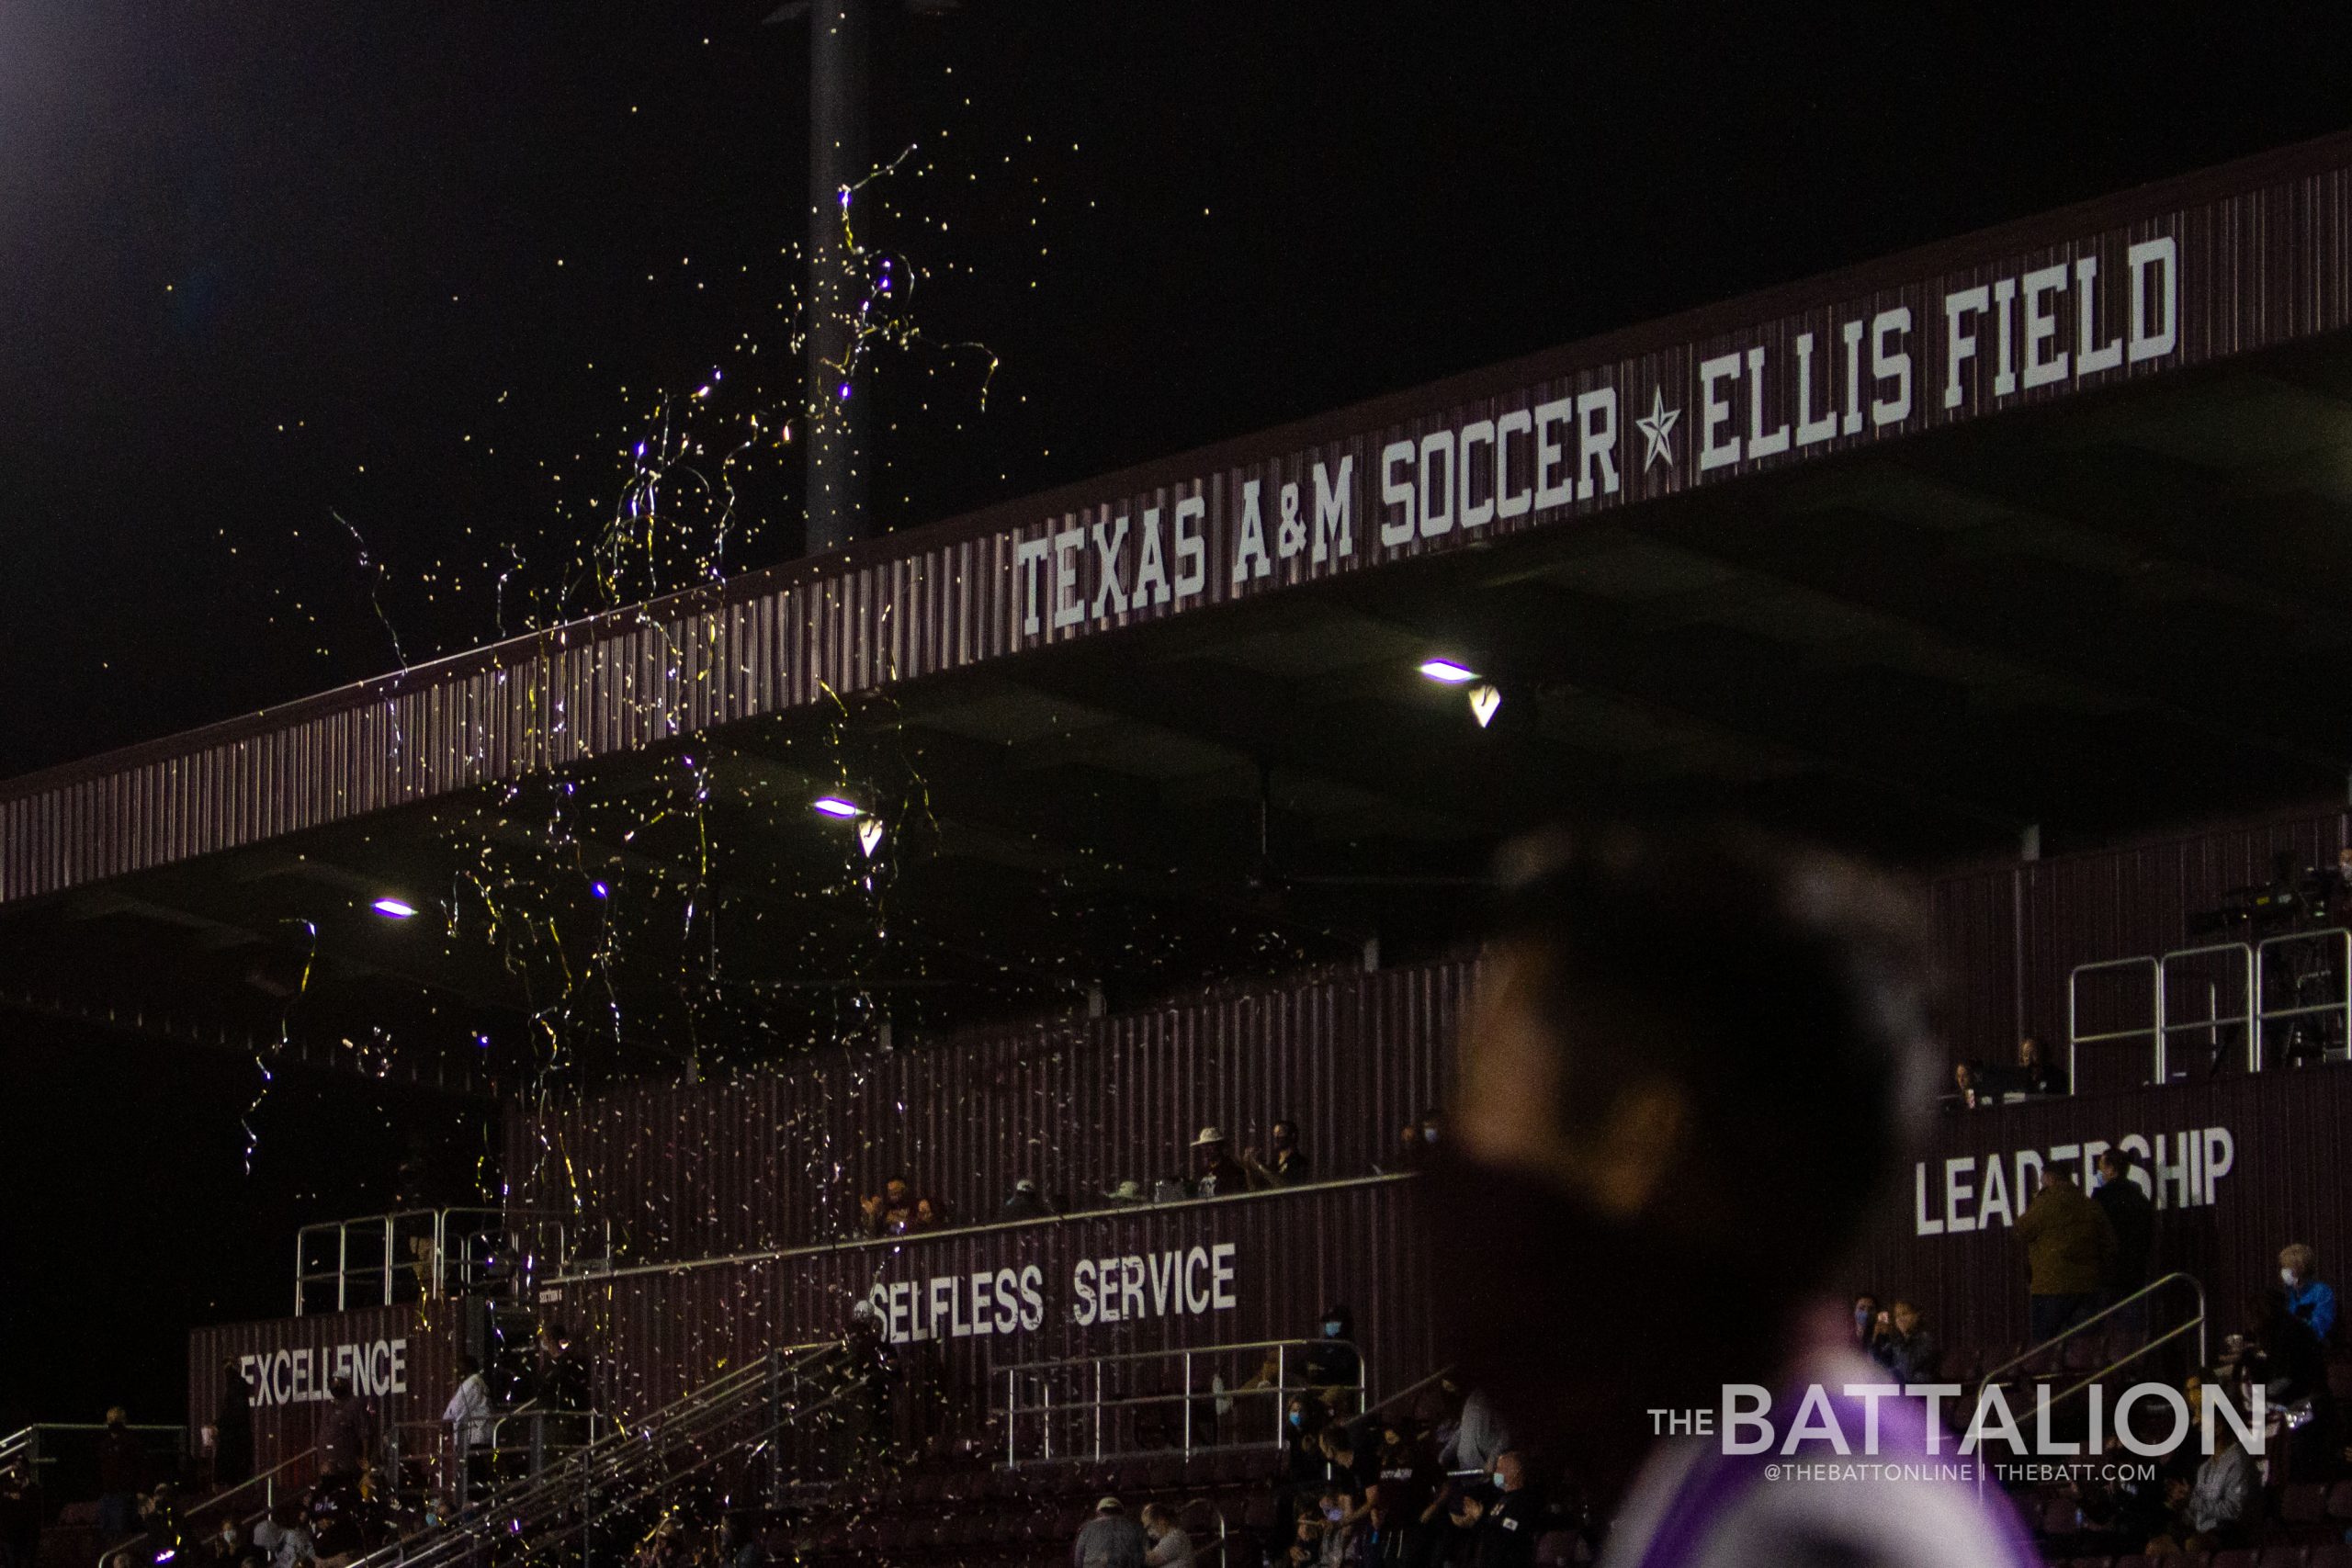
<point>160,1521</point>
<point>1286,1168</point>
<point>1308,1538</point>
<point>1354,1464</point>
<point>1109,1540</point>
<point>283,1536</point>
<point>1384,1540</point>
<point>337,1515</point>
<point>1417,1144</point>
<point>1026,1203</point>
<point>1908,1351</point>
<point>890,1212</point>
<point>1127,1193</point>
<point>1215,1170</point>
<point>866,1384</point>
<point>19,1515</point>
<point>1973,1087</point>
<point>2133,1219</point>
<point>467,1416</point>
<point>2036,1073</point>
<point>1507,1535</point>
<point>2123,1515</point>
<point>347,1435</point>
<point>1479,1440</point>
<point>739,1543</point>
<point>1466,1527</point>
<point>928,1215</point>
<point>2283,1358</point>
<point>1406,1482</point>
<point>565,1380</point>
<point>1437,1411</point>
<point>1866,1316</point>
<point>1333,1366</point>
<point>1170,1546</point>
<point>122,1476</point>
<point>2219,1508</point>
<point>564,1387</point>
<point>1688,1073</point>
<point>2307,1297</point>
<point>665,1546</point>
<point>425,1262</point>
<point>2069,1250</point>
<point>232,1429</point>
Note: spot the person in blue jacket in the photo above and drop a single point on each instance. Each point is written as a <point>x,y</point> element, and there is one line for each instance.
<point>2307,1298</point>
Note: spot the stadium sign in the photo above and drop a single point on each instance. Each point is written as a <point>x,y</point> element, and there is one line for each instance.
<point>1929,352</point>
<point>298,1374</point>
<point>1125,1288</point>
<point>2179,1170</point>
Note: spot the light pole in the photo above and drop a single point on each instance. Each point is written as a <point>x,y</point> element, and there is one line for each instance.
<point>835,484</point>
<point>832,410</point>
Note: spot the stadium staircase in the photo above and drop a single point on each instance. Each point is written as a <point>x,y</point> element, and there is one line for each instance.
<point>738,1435</point>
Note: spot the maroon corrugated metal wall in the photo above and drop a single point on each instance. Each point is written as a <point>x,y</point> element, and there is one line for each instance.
<point>1291,1256</point>
<point>2268,1161</point>
<point>775,1161</point>
<point>778,1159</point>
<point>2257,257</point>
<point>401,1356</point>
<point>2009,937</point>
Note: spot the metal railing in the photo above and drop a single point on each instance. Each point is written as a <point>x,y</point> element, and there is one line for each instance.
<point>2260,971</point>
<point>2146,1346</point>
<point>430,1253</point>
<point>24,1446</point>
<point>2154,1031</point>
<point>1088,1411</point>
<point>733,1416</point>
<point>2169,1023</point>
<point>1410,1388</point>
<point>2265,1015</point>
<point>128,1552</point>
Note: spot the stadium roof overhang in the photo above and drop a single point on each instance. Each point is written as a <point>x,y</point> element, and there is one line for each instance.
<point>2049,525</point>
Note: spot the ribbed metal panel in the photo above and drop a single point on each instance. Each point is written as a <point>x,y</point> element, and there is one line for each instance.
<point>428,1337</point>
<point>779,1159</point>
<point>2291,1134</point>
<point>2009,937</point>
<point>2262,255</point>
<point>1294,1254</point>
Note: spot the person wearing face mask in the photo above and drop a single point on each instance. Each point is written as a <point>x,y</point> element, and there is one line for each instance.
<point>1507,1535</point>
<point>1418,1143</point>
<point>1304,1419</point>
<point>1334,1369</point>
<point>1170,1546</point>
<point>2307,1298</point>
<point>1865,1321</point>
<point>1406,1483</point>
<point>1715,1093</point>
<point>1286,1167</point>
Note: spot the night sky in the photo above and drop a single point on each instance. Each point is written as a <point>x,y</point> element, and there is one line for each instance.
<point>268,266</point>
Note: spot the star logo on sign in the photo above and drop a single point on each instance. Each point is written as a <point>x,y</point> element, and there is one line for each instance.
<point>1658,429</point>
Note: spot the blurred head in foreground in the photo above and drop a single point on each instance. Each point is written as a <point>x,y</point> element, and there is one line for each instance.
<point>1683,1082</point>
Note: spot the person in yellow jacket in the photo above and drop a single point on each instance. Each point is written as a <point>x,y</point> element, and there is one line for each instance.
<point>2069,1248</point>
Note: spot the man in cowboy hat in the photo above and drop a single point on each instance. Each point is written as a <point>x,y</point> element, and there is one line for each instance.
<point>1215,1173</point>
